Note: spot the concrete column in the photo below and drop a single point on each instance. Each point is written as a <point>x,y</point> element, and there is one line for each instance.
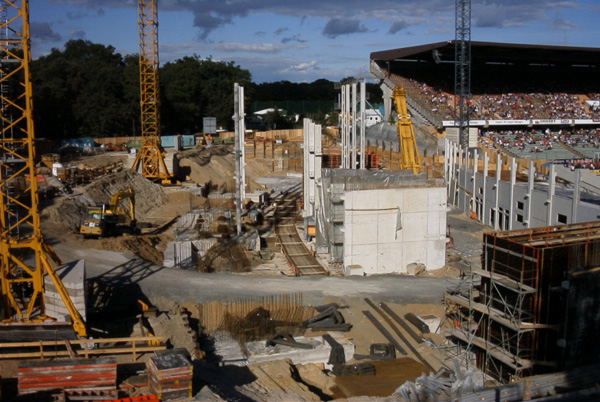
<point>497,191</point>
<point>530,183</point>
<point>342,119</point>
<point>306,177</point>
<point>363,123</point>
<point>446,163</point>
<point>240,128</point>
<point>486,161</point>
<point>576,197</point>
<point>354,115</point>
<point>387,101</point>
<point>348,129</point>
<point>513,181</point>
<point>551,191</point>
<point>474,180</point>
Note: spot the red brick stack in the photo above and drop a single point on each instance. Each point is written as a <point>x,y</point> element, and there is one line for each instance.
<point>81,377</point>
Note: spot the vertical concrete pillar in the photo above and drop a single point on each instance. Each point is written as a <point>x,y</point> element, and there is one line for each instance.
<point>307,212</point>
<point>474,180</point>
<point>387,101</point>
<point>239,145</point>
<point>348,129</point>
<point>446,162</point>
<point>530,183</point>
<point>576,198</point>
<point>354,126</point>
<point>363,123</point>
<point>497,191</point>
<point>551,191</point>
<point>486,161</point>
<point>513,181</point>
<point>342,119</point>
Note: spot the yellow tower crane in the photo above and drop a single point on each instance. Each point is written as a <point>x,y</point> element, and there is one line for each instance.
<point>409,153</point>
<point>151,154</point>
<point>24,256</point>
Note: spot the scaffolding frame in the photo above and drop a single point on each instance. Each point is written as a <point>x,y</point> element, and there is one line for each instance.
<point>503,313</point>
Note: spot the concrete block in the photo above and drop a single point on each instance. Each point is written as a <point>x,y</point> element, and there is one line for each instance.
<point>415,268</point>
<point>357,270</point>
<point>432,321</point>
<point>73,277</point>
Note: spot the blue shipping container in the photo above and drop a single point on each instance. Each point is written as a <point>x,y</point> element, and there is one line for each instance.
<point>169,141</point>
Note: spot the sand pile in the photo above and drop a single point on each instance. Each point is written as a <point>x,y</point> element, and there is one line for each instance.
<point>68,211</point>
<point>217,165</point>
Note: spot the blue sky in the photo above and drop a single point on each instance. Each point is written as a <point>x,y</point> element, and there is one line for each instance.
<point>301,41</point>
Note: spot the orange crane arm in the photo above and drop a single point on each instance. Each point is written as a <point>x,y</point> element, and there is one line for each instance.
<point>409,153</point>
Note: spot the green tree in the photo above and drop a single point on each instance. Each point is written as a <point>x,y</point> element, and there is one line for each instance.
<point>193,88</point>
<point>277,121</point>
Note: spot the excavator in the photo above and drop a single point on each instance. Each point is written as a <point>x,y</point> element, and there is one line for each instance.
<point>106,220</point>
<point>409,153</point>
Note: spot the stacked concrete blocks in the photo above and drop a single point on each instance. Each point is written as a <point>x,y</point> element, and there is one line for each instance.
<point>73,278</point>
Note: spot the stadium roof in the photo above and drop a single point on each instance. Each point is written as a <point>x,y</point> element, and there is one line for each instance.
<point>492,52</point>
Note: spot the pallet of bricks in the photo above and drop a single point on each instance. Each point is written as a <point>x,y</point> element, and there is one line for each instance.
<point>170,374</point>
<point>78,379</point>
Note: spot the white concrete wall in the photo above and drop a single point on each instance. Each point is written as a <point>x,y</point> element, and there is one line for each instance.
<point>372,241</point>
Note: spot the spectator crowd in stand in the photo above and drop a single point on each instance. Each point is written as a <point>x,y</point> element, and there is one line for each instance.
<point>536,140</point>
<point>499,105</point>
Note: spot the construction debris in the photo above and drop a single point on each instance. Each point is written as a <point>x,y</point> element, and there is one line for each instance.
<point>444,384</point>
<point>328,319</point>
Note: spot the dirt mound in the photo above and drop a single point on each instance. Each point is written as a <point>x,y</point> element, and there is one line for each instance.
<point>98,161</point>
<point>147,247</point>
<point>148,195</point>
<point>68,211</point>
<point>217,165</point>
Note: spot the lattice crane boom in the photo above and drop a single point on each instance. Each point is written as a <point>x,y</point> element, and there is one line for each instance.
<point>24,256</point>
<point>151,154</point>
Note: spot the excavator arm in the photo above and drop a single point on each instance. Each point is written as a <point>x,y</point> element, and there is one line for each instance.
<point>128,194</point>
<point>409,153</point>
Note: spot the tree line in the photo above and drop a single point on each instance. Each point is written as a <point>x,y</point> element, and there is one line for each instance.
<point>89,90</point>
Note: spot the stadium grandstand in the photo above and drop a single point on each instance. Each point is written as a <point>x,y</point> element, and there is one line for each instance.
<point>527,101</point>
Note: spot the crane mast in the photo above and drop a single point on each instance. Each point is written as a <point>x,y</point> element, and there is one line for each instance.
<point>150,157</point>
<point>24,255</point>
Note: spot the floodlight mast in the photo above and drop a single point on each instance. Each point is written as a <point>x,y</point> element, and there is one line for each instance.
<point>462,69</point>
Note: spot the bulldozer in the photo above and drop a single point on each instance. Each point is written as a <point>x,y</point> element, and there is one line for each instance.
<point>112,219</point>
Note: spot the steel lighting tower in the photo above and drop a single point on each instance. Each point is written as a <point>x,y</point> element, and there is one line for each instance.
<point>462,68</point>
<point>24,256</point>
<point>151,154</point>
